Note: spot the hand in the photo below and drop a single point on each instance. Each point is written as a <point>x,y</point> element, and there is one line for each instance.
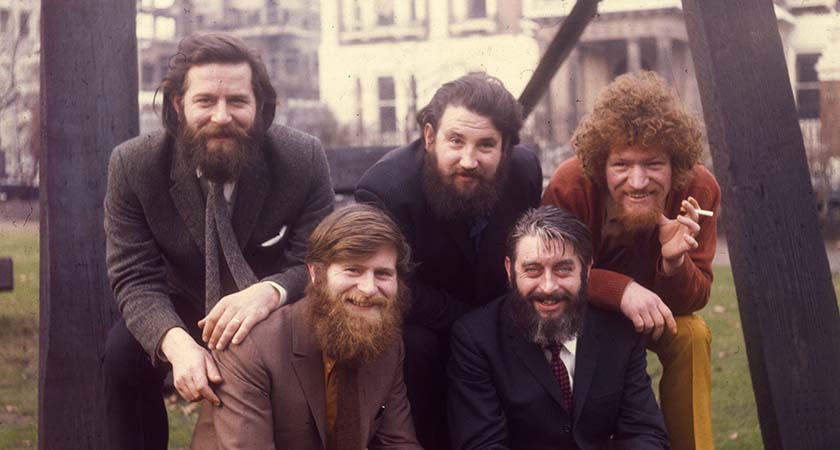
<point>192,366</point>
<point>646,310</point>
<point>677,236</point>
<point>236,314</point>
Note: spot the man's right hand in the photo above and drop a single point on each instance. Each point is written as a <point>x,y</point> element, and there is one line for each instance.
<point>192,366</point>
<point>646,310</point>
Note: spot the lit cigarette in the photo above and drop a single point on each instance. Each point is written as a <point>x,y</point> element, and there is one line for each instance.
<point>703,212</point>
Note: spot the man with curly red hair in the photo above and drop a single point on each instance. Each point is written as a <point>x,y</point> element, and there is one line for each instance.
<point>637,183</point>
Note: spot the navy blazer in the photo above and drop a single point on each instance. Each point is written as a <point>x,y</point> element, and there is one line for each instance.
<point>450,277</point>
<point>503,394</point>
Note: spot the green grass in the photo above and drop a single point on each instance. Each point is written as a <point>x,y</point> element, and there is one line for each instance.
<point>733,406</point>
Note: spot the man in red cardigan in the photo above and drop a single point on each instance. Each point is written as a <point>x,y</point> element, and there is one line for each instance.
<point>637,184</point>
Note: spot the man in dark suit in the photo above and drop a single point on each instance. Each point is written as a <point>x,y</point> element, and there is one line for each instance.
<point>538,368</point>
<point>326,372</point>
<point>188,270</point>
<point>455,193</point>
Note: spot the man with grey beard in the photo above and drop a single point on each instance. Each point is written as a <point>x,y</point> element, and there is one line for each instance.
<point>539,368</point>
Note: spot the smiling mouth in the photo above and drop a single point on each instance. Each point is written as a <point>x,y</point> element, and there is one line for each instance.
<point>362,303</point>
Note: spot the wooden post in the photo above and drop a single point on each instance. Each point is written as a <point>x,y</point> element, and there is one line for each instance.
<point>787,303</point>
<point>88,104</point>
<point>558,49</point>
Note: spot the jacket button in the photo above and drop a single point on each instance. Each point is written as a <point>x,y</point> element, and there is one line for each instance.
<point>567,429</point>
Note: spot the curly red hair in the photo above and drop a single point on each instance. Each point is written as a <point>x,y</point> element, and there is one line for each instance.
<point>639,110</point>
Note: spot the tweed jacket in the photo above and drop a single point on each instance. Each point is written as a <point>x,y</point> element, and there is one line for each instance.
<point>273,395</point>
<point>503,393</point>
<point>154,224</point>
<point>685,291</point>
<point>451,277</point>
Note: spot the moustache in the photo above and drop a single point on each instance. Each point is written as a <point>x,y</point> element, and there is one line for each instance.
<point>360,299</point>
<point>548,298</point>
<point>229,130</point>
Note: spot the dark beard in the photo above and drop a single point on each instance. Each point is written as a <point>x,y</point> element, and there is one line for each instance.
<point>548,331</point>
<point>448,203</point>
<point>219,162</point>
<point>348,338</point>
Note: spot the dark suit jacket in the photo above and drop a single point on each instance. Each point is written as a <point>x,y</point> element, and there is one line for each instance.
<point>273,396</point>
<point>503,394</point>
<point>450,277</point>
<point>154,224</point>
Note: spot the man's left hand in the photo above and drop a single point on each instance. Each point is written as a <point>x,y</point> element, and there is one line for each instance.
<point>236,314</point>
<point>677,236</point>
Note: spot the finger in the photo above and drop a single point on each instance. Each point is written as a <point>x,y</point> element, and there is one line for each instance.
<point>693,202</point>
<point>658,325</point>
<point>690,210</point>
<point>638,323</point>
<point>202,322</point>
<point>220,328</point>
<point>649,323</point>
<point>670,322</point>
<point>211,320</point>
<point>213,373</point>
<point>230,329</point>
<point>691,224</point>
<point>244,329</point>
<point>207,392</point>
<point>692,243</point>
<point>188,389</point>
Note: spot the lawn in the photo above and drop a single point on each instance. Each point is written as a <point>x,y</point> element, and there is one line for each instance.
<point>733,405</point>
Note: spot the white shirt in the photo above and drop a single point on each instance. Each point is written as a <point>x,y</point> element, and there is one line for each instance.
<point>567,355</point>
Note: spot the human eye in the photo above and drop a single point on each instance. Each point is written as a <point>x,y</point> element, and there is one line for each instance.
<point>352,270</point>
<point>384,274</point>
<point>532,270</point>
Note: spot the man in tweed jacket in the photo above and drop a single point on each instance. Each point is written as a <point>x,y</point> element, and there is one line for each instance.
<point>218,106</point>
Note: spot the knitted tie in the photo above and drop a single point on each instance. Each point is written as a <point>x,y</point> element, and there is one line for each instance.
<point>562,376</point>
<point>218,230</point>
<point>347,421</point>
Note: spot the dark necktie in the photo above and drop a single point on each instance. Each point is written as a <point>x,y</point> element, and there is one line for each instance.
<point>347,421</point>
<point>218,230</point>
<point>562,376</point>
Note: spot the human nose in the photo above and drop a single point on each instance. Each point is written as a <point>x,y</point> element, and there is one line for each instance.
<point>637,178</point>
<point>549,282</point>
<point>468,160</point>
<point>220,113</point>
<point>367,284</point>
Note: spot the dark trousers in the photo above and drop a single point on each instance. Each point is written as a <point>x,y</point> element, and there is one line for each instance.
<point>426,354</point>
<point>136,413</point>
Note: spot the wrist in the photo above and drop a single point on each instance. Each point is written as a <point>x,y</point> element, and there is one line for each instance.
<point>277,294</point>
<point>173,339</point>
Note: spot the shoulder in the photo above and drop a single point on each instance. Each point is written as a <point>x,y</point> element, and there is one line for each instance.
<point>145,149</point>
<point>704,187</point>
<point>610,325</point>
<point>525,165</point>
<point>283,138</point>
<point>569,174</point>
<point>396,177</point>
<point>482,321</point>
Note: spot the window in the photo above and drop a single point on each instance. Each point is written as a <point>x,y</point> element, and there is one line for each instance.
<point>387,105</point>
<point>476,9</point>
<point>4,20</point>
<point>807,86</point>
<point>384,12</point>
<point>24,23</point>
<point>292,62</point>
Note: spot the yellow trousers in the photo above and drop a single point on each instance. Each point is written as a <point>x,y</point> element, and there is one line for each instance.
<point>685,389</point>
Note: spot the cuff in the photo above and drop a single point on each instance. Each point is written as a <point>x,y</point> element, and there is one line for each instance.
<point>280,290</point>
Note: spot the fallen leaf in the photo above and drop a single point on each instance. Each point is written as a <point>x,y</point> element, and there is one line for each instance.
<point>11,409</point>
<point>718,309</point>
<point>733,435</point>
<point>188,409</point>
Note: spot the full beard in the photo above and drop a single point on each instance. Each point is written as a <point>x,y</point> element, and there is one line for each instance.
<point>448,202</point>
<point>346,337</point>
<point>547,331</point>
<point>221,161</point>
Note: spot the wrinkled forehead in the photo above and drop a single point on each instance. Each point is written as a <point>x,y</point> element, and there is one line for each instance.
<point>534,248</point>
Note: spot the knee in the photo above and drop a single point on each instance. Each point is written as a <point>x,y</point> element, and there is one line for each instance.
<point>693,337</point>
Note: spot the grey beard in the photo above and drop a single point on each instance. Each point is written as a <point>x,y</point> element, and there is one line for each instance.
<point>546,332</point>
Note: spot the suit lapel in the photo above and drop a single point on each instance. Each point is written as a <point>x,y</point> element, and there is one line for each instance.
<point>187,196</point>
<point>589,345</point>
<point>532,357</point>
<point>251,190</point>
<point>309,368</point>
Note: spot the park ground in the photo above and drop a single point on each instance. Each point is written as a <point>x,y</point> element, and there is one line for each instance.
<point>733,405</point>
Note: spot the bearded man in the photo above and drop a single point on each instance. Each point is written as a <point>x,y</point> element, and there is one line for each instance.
<point>539,368</point>
<point>637,185</point>
<point>206,224</point>
<point>326,372</point>
<point>455,194</point>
